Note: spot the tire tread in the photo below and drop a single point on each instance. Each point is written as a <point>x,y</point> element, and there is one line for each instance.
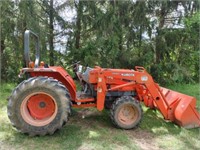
<point>51,84</point>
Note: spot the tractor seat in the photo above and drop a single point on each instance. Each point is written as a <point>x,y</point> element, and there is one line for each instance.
<point>85,75</point>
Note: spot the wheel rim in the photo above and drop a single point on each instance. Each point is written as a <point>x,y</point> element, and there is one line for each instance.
<point>38,109</point>
<point>128,114</point>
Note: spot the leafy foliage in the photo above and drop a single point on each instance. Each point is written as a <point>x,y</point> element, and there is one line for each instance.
<point>162,36</point>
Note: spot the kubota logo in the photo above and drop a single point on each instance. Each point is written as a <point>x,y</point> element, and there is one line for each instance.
<point>127,74</point>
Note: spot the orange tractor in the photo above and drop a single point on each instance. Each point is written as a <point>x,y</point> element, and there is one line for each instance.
<point>41,104</point>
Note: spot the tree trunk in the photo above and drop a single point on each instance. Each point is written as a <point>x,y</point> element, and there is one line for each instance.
<point>51,36</point>
<point>159,30</point>
<point>78,24</point>
<point>2,60</point>
<point>140,41</point>
<point>2,46</point>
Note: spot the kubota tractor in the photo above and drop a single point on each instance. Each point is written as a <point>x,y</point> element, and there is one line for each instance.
<point>41,104</point>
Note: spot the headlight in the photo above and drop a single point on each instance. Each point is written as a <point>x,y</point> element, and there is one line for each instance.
<point>144,78</point>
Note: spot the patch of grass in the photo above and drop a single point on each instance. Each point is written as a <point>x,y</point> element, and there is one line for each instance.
<point>96,131</point>
<point>189,89</point>
<point>167,134</point>
<point>5,91</point>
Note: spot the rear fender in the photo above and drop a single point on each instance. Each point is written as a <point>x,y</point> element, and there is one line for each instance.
<point>57,73</point>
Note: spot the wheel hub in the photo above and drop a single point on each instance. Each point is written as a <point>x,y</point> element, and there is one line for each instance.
<point>128,114</point>
<point>41,106</point>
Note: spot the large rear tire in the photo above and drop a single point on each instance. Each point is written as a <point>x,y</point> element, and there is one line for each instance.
<point>39,106</point>
<point>126,112</point>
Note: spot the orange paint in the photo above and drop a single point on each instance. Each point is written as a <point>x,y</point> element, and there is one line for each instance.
<point>174,106</point>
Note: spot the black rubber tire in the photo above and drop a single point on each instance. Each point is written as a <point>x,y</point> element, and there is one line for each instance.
<point>117,105</point>
<point>39,84</point>
<point>108,105</point>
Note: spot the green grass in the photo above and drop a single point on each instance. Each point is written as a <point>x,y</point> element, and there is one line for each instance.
<point>96,132</point>
<point>192,90</point>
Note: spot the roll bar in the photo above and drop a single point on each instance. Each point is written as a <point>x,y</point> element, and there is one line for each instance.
<point>27,35</point>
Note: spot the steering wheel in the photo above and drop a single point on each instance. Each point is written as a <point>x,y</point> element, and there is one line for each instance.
<point>73,65</point>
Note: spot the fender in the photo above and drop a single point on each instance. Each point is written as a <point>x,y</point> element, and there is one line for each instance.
<point>55,72</point>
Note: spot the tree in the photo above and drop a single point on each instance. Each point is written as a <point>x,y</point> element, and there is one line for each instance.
<point>120,34</point>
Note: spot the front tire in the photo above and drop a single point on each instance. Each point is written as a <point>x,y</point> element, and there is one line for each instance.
<point>126,112</point>
<point>39,106</point>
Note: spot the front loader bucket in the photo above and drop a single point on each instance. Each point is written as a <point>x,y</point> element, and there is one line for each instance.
<point>182,108</point>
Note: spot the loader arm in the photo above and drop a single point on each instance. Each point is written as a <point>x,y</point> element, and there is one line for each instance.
<point>174,106</point>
